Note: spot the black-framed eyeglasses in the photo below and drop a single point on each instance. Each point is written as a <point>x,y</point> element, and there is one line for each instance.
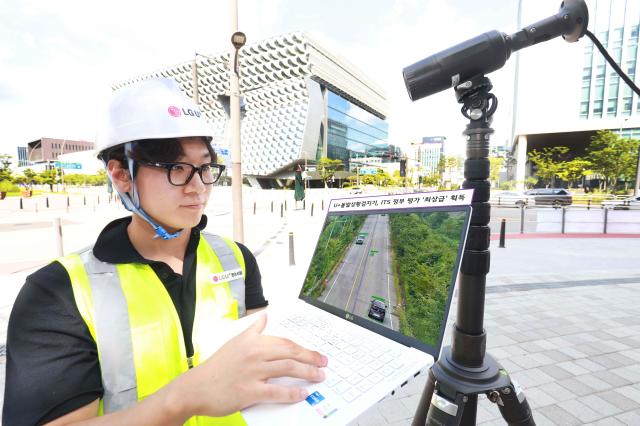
<point>180,174</point>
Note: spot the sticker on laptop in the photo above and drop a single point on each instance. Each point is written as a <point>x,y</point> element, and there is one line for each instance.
<point>323,407</point>
<point>226,276</point>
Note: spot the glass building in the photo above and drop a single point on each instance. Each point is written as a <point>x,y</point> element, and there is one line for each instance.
<point>354,133</point>
<point>615,24</point>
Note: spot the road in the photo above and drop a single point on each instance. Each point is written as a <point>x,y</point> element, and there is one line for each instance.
<point>365,271</point>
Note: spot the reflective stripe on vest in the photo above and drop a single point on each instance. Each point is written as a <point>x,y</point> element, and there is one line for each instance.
<point>136,327</point>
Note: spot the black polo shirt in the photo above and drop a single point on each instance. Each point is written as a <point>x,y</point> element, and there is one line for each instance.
<point>52,360</point>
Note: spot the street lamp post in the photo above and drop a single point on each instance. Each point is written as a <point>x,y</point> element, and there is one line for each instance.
<point>238,40</point>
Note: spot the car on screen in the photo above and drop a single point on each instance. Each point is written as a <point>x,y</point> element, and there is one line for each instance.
<point>624,204</point>
<point>555,197</point>
<point>377,308</point>
<point>360,239</point>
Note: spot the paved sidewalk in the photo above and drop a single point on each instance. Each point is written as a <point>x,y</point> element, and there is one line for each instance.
<point>561,314</point>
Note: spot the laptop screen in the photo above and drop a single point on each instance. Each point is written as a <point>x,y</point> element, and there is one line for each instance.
<point>390,270</point>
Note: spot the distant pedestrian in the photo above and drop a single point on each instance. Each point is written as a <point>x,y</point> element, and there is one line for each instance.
<point>122,329</point>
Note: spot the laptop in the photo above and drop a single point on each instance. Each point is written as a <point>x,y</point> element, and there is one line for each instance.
<point>375,300</point>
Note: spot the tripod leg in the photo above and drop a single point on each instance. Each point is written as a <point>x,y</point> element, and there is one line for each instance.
<point>420,417</point>
<point>444,412</point>
<point>513,405</point>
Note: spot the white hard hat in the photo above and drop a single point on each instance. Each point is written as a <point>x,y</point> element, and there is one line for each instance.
<point>150,109</point>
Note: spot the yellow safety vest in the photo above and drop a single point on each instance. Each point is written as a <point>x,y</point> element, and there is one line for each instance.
<point>136,327</point>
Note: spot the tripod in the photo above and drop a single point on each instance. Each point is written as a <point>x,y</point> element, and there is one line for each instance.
<point>464,370</point>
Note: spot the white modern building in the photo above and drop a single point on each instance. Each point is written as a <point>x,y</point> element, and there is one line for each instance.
<point>566,92</point>
<point>427,154</point>
<point>301,102</point>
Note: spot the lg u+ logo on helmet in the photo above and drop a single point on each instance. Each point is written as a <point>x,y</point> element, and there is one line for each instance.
<point>175,111</point>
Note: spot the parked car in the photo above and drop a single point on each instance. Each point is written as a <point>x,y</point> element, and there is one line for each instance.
<point>508,198</point>
<point>355,190</point>
<point>378,308</point>
<point>623,204</point>
<point>551,196</point>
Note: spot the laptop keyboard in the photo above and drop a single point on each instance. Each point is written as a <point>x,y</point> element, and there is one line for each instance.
<point>355,364</point>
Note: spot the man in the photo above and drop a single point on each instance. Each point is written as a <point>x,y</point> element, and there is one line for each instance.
<point>119,333</point>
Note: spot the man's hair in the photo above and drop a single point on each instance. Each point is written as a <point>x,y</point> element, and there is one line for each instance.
<point>152,150</point>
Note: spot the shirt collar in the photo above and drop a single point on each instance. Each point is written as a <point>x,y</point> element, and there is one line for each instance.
<point>114,246</point>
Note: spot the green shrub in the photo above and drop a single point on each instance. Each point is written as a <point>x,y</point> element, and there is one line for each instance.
<point>6,186</point>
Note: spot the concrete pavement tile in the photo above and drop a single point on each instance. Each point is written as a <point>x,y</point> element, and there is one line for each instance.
<point>615,345</point>
<point>594,382</point>
<point>528,361</point>
<point>394,410</point>
<point>556,372</point>
<point>486,413</point>
<point>576,386</point>
<point>617,398</point>
<point>579,410</point>
<point>630,392</point>
<point>371,417</point>
<point>557,356</point>
<point>631,353</point>
<point>514,350</point>
<point>411,402</point>
<point>572,352</point>
<point>559,416</point>
<point>608,361</point>
<point>631,418</point>
<point>592,349</point>
<point>588,364</point>
<point>516,337</point>
<point>623,360</point>
<point>533,377</point>
<point>538,398</point>
<point>543,342</point>
<point>607,421</point>
<point>613,379</point>
<point>500,340</point>
<point>531,347</point>
<point>630,372</point>
<point>510,366</point>
<point>568,330</point>
<point>622,331</point>
<point>602,335</point>
<point>557,392</point>
<point>402,423</point>
<point>572,367</point>
<point>540,419</point>
<point>600,405</point>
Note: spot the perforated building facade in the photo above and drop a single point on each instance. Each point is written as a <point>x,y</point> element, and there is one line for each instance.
<point>300,102</point>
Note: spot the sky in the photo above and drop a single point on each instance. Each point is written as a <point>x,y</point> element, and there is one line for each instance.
<point>59,58</point>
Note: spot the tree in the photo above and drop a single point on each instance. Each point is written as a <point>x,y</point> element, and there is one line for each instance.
<point>327,167</point>
<point>5,170</point>
<point>612,157</point>
<point>549,162</point>
<point>574,170</point>
<point>49,177</point>
<point>495,165</point>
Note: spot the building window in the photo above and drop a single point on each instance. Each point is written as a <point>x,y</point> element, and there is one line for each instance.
<point>626,105</point>
<point>612,107</point>
<point>597,108</point>
<point>584,109</point>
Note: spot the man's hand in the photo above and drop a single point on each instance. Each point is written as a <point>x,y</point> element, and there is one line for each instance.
<point>236,376</point>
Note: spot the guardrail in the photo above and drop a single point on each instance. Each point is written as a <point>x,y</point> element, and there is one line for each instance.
<point>571,219</point>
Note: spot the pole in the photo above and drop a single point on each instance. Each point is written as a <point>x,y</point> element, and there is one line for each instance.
<point>636,191</point>
<point>57,228</point>
<point>503,226</point>
<point>234,107</point>
<point>292,260</point>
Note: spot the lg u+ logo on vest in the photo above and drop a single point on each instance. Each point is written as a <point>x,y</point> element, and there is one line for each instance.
<point>225,276</point>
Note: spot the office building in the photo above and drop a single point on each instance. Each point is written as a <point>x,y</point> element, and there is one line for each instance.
<point>566,92</point>
<point>300,102</point>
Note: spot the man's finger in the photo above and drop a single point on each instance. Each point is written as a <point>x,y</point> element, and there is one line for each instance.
<point>258,326</point>
<point>277,348</point>
<point>292,368</point>
<point>281,394</point>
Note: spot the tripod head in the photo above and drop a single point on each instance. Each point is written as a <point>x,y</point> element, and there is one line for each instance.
<point>489,52</point>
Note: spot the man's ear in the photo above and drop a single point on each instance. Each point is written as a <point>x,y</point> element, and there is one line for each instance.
<point>120,177</point>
